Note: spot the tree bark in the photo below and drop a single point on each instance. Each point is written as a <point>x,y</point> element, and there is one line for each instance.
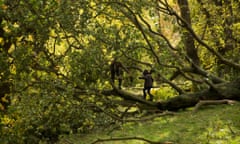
<point>212,102</point>
<point>187,37</point>
<point>230,90</point>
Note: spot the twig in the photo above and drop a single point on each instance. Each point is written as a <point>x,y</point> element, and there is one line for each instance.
<point>129,138</point>
<point>150,117</point>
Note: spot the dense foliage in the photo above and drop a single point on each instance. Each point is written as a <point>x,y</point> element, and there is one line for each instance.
<point>55,56</point>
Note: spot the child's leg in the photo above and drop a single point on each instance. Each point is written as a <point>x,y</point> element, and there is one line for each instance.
<point>144,93</point>
<point>149,92</point>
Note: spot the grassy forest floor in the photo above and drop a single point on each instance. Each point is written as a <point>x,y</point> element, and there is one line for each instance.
<point>214,124</point>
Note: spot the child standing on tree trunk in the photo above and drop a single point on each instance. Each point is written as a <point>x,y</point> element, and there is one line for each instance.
<point>148,84</point>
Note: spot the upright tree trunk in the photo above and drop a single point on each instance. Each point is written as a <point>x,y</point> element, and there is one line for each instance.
<point>187,37</point>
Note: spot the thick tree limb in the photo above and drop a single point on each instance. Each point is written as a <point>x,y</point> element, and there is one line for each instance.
<point>230,90</point>
<point>212,102</point>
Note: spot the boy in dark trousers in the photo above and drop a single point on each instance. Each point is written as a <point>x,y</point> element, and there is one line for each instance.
<point>148,84</point>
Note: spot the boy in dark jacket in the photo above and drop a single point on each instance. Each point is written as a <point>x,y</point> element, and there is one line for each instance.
<point>148,84</point>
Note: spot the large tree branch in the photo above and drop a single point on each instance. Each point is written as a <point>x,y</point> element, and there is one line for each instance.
<point>212,102</point>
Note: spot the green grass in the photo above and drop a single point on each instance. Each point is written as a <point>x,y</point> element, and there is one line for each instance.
<point>218,124</point>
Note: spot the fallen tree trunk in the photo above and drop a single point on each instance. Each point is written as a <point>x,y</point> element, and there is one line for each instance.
<point>230,90</point>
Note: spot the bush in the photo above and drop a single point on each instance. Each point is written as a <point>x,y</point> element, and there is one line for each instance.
<point>163,93</point>
<point>42,117</point>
